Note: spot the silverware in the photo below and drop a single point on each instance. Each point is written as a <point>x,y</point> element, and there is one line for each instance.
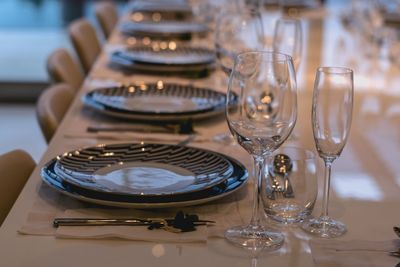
<point>182,127</point>
<point>170,225</point>
<point>131,128</point>
<point>395,253</point>
<point>94,221</point>
<point>121,221</point>
<point>282,166</point>
<point>397,230</point>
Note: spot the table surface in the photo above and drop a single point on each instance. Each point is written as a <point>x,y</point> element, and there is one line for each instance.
<point>365,184</point>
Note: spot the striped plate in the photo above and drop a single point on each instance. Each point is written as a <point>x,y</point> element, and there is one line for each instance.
<point>227,185</point>
<point>157,101</point>
<point>143,169</point>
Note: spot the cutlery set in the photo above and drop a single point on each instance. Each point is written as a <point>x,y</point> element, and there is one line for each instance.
<point>180,223</point>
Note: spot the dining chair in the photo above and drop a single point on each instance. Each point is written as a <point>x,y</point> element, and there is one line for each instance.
<point>62,68</point>
<point>84,39</point>
<point>107,16</point>
<point>51,107</point>
<point>15,169</point>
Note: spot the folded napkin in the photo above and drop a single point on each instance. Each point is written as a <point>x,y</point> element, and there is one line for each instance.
<point>333,253</point>
<point>232,210</point>
<point>141,233</point>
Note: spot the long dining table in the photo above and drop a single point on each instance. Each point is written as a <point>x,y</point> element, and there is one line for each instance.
<point>365,186</point>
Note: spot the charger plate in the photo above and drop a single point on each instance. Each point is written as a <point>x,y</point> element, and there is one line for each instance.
<point>235,180</point>
<point>157,101</point>
<point>166,29</point>
<point>143,169</point>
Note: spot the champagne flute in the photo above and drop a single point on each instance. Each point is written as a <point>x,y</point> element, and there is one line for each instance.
<point>261,113</point>
<point>332,107</point>
<point>288,39</point>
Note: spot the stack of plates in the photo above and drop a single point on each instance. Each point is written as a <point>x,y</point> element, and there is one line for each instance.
<point>144,175</point>
<point>161,10</point>
<point>164,30</point>
<point>157,101</point>
<point>178,59</point>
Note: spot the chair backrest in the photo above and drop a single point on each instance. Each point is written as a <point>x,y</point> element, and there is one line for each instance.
<point>107,16</point>
<point>62,68</point>
<point>84,39</point>
<point>15,168</point>
<point>51,107</point>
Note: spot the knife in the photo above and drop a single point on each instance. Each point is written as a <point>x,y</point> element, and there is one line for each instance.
<point>183,127</point>
<point>132,128</point>
<point>122,221</point>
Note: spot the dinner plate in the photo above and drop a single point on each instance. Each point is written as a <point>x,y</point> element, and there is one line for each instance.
<point>234,182</point>
<point>179,59</point>
<point>157,101</point>
<point>160,10</point>
<point>143,169</point>
<point>160,6</point>
<point>165,29</point>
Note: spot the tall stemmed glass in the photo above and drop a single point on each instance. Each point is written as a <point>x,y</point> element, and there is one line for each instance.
<point>288,39</point>
<point>332,107</point>
<point>261,113</point>
<point>238,30</point>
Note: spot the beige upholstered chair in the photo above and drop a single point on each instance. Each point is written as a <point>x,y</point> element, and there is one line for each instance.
<point>62,68</point>
<point>107,16</point>
<point>51,107</point>
<point>15,168</point>
<point>84,39</point>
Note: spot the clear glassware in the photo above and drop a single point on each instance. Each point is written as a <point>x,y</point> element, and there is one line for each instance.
<point>289,189</point>
<point>332,107</point>
<point>261,112</point>
<point>288,39</point>
<point>239,29</point>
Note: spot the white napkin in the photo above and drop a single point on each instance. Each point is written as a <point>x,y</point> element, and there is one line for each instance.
<point>333,253</point>
<point>224,215</point>
<point>232,210</point>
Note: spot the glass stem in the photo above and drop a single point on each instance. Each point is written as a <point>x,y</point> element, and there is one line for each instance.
<point>327,182</point>
<point>258,168</point>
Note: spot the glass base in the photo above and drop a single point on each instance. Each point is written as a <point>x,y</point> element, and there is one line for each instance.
<point>254,237</point>
<point>224,138</point>
<point>324,227</point>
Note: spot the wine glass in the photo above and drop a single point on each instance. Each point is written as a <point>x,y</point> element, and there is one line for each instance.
<point>238,29</point>
<point>288,39</point>
<point>332,107</point>
<point>261,112</point>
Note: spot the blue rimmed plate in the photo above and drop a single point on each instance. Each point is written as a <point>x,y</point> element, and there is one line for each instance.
<point>143,169</point>
<point>157,101</point>
<point>235,180</point>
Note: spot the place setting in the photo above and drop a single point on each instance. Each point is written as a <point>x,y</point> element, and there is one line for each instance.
<point>165,59</point>
<point>157,20</point>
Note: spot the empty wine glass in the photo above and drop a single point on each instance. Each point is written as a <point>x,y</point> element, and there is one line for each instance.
<point>239,29</point>
<point>288,39</point>
<point>261,112</point>
<point>332,107</point>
